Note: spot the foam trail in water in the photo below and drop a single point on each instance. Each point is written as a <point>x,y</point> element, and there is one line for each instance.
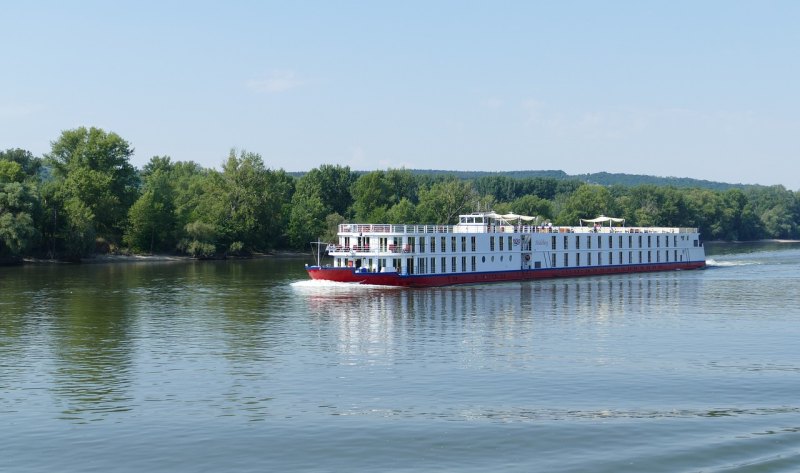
<point>723,264</point>
<point>317,284</point>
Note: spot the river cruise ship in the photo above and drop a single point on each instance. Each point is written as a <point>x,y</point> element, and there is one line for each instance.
<point>489,247</point>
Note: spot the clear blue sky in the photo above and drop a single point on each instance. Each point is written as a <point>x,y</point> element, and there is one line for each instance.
<point>701,89</point>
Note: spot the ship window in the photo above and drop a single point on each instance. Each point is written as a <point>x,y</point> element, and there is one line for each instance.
<point>483,259</point>
<point>463,244</point>
<point>589,242</point>
<point>620,241</point>
<point>433,244</point>
<point>553,261</point>
<point>578,244</point>
<point>472,242</point>
<point>599,259</point>
<point>610,241</point>
<point>501,243</point>
<point>566,259</point>
<point>649,257</point>
<point>422,244</point>
<point>464,263</point>
<point>433,265</point>
<point>640,241</point>
<point>649,241</point>
<point>599,242</point>
<point>630,241</point>
<point>509,244</point>
<point>566,242</point>
<point>444,244</point>
<point>491,243</point>
<point>620,257</point>
<point>474,266</point>
<point>453,244</point>
<point>577,258</point>
<point>553,243</point>
<point>453,264</point>
<point>610,257</point>
<point>589,259</point>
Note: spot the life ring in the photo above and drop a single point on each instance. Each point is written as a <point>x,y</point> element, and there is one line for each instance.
<point>527,257</point>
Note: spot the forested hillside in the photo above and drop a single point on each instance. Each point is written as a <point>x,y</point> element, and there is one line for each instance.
<point>84,197</point>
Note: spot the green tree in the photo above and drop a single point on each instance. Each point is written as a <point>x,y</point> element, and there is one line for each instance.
<point>318,193</point>
<point>93,177</point>
<point>151,219</point>
<point>332,185</point>
<point>16,221</point>
<point>188,180</point>
<point>777,209</point>
<point>589,201</point>
<point>442,202</point>
<point>371,197</point>
<point>247,203</point>
<point>307,219</point>
<point>200,241</point>
<point>533,206</point>
<point>30,166</point>
<point>402,212</point>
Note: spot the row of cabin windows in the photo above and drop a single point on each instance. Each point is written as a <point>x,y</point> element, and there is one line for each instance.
<point>620,239</point>
<point>428,266</point>
<point>500,241</point>
<point>424,244</point>
<point>643,257</point>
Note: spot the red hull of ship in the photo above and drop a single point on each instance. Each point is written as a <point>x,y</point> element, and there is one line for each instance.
<point>349,275</point>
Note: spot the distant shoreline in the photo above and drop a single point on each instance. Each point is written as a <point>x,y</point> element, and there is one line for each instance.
<point>115,259</point>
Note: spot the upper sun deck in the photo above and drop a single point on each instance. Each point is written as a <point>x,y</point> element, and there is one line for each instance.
<point>489,222</point>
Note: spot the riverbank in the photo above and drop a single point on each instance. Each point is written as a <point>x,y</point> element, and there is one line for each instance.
<point>122,258</point>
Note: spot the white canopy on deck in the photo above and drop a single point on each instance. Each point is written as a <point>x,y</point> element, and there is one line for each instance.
<point>510,217</point>
<point>603,219</point>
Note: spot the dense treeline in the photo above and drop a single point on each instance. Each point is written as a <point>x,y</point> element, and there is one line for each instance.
<point>85,197</point>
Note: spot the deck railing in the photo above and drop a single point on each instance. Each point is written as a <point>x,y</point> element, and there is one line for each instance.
<point>371,228</point>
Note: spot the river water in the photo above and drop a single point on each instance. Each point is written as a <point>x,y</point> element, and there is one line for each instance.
<point>246,366</point>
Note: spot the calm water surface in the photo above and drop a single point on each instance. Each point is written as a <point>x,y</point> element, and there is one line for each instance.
<point>246,366</point>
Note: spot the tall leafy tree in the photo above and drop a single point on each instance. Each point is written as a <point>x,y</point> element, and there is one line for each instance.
<point>588,201</point>
<point>533,206</point>
<point>248,203</point>
<point>94,181</point>
<point>402,212</point>
<point>332,184</point>
<point>151,219</point>
<point>371,197</point>
<point>442,202</point>
<point>17,202</point>
<point>318,193</point>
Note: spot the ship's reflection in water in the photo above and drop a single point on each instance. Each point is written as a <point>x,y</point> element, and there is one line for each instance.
<point>492,321</point>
